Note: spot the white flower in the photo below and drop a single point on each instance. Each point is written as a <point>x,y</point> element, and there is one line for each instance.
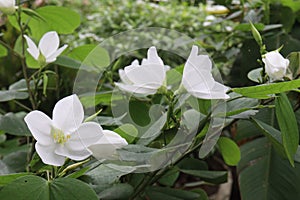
<point>145,78</point>
<point>197,78</point>
<point>48,50</point>
<point>275,65</point>
<point>105,148</point>
<point>65,135</point>
<point>8,6</point>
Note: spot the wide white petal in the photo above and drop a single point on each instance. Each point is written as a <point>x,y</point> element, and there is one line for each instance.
<point>53,57</point>
<point>49,43</point>
<point>65,150</point>
<point>48,155</point>
<point>138,89</point>
<point>32,48</point>
<point>106,147</point>
<point>40,126</point>
<point>87,134</point>
<point>150,73</point>
<point>68,114</point>
<point>123,77</point>
<point>197,78</point>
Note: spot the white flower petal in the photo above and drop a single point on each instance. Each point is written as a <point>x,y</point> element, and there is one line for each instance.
<point>53,57</point>
<point>72,154</point>
<point>152,57</point>
<point>49,43</point>
<point>48,155</point>
<point>197,78</point>
<point>123,77</point>
<point>68,114</point>
<point>150,73</point>
<point>32,48</point>
<point>106,147</point>
<point>144,89</point>
<point>87,134</point>
<point>275,65</point>
<point>40,126</point>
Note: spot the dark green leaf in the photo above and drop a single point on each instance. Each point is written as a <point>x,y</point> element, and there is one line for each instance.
<point>264,175</point>
<point>118,191</point>
<point>5,179</point>
<point>37,188</point>
<point>209,176</point>
<point>163,193</point>
<point>170,177</point>
<point>288,126</point>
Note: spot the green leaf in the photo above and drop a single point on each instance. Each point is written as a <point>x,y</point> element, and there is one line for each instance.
<point>229,150</point>
<point>37,188</point>
<point>216,177</point>
<point>103,98</point>
<point>3,51</point>
<point>288,126</point>
<point>61,19</point>
<point>16,161</point>
<point>81,52</point>
<point>128,132</point>
<point>272,134</point>
<point>247,27</point>
<point>294,65</point>
<point>118,191</point>
<point>266,90</point>
<point>264,175</point>
<point>6,179</point>
<point>163,193</point>
<point>255,75</point>
<point>13,123</point>
<point>169,178</point>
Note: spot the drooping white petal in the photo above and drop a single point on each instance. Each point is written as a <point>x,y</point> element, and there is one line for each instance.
<point>32,48</point>
<point>142,75</point>
<point>87,134</point>
<point>49,43</point>
<point>217,92</point>
<point>137,89</point>
<point>106,147</point>
<point>53,57</point>
<point>48,155</point>
<point>67,151</point>
<point>7,6</point>
<point>40,126</point>
<point>68,114</point>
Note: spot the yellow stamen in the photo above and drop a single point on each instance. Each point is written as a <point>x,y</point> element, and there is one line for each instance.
<point>59,136</point>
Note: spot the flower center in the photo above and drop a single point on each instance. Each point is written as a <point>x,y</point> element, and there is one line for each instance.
<point>59,136</point>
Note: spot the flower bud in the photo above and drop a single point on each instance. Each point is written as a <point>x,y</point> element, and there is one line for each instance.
<point>275,65</point>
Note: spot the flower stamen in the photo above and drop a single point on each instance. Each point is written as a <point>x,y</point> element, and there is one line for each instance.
<point>59,136</point>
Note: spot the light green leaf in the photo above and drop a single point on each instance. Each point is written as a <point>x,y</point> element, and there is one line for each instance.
<point>81,52</point>
<point>128,132</point>
<point>266,90</point>
<point>61,19</point>
<point>229,151</point>
<point>14,124</point>
<point>3,51</point>
<point>255,75</point>
<point>288,126</point>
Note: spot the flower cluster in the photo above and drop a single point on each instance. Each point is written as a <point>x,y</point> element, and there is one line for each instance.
<point>148,77</point>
